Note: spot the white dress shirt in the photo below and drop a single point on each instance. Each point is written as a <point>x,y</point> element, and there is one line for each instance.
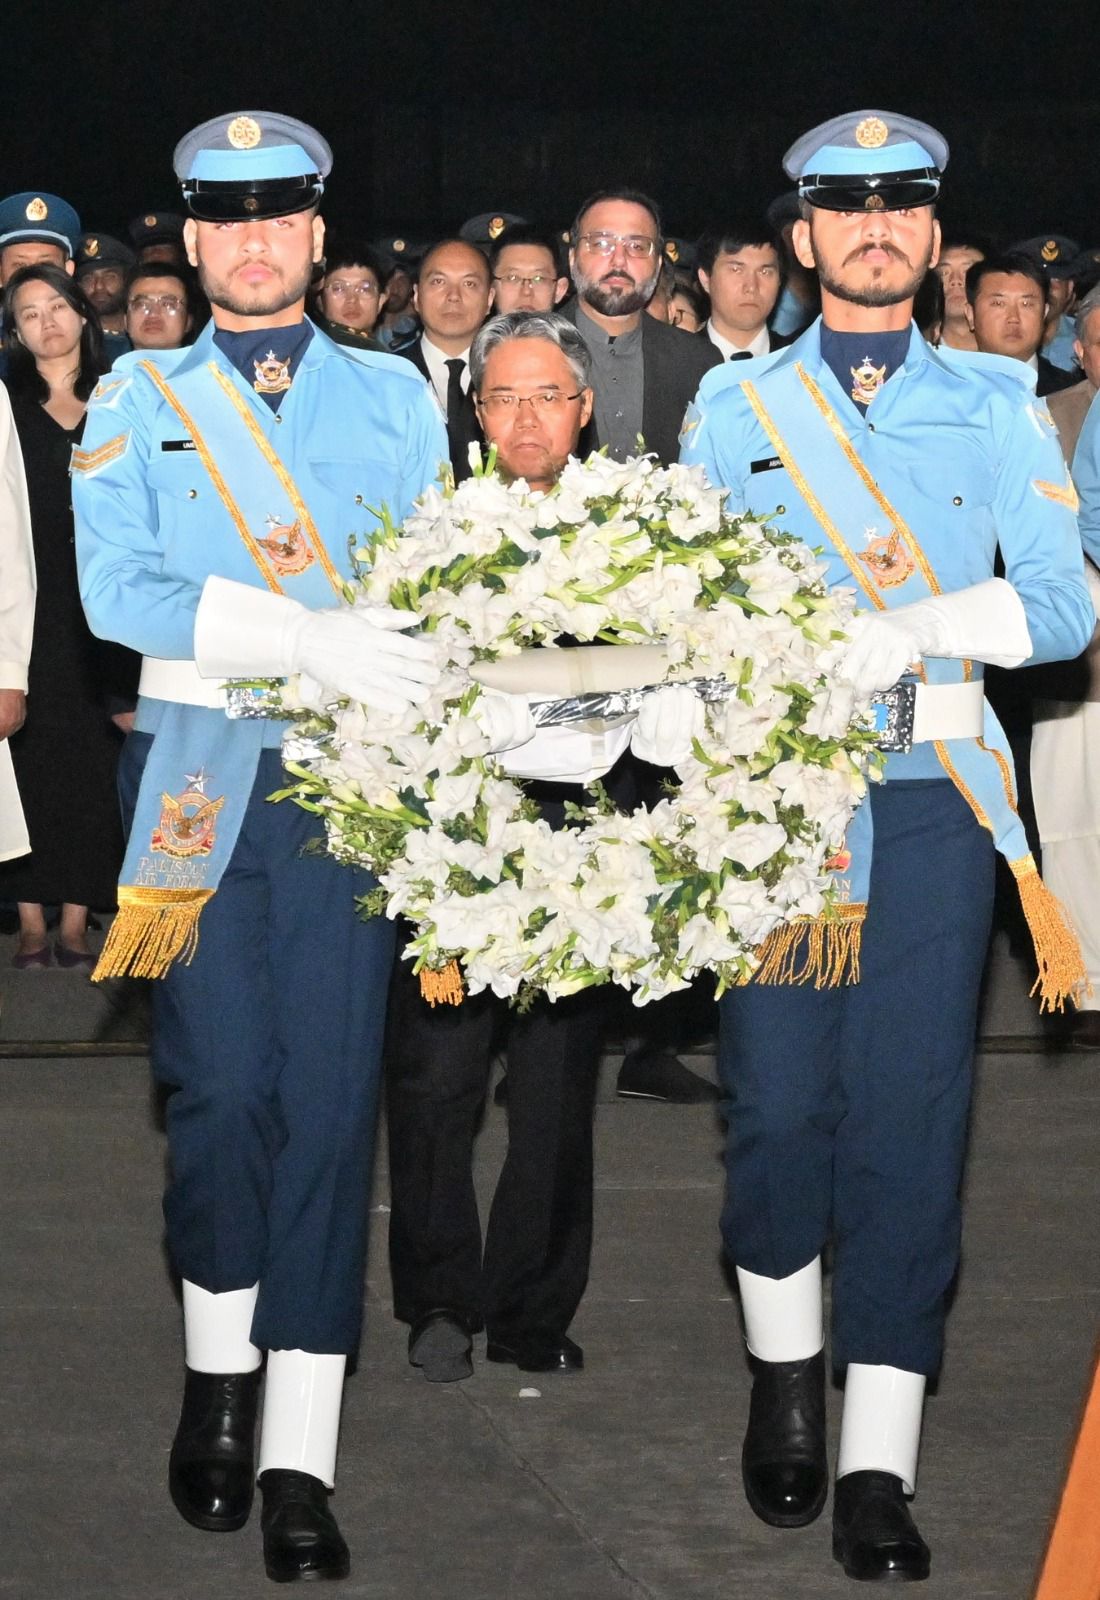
<point>760,346</point>
<point>436,361</point>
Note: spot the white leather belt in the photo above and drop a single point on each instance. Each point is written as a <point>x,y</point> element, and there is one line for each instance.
<point>949,711</point>
<point>179,681</point>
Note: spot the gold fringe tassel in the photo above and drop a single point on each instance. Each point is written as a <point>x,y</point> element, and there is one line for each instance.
<point>1062,974</point>
<point>443,987</point>
<point>154,927</point>
<point>822,949</point>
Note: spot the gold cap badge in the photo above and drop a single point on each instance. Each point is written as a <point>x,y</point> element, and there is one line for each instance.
<point>37,211</point>
<point>1050,250</point>
<point>91,247</point>
<point>399,244</point>
<point>496,227</point>
<point>243,133</point>
<point>872,133</point>
<point>874,202</point>
<point>150,221</point>
<point>672,250</point>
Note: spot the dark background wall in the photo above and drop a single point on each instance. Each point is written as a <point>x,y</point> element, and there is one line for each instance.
<point>438,111</point>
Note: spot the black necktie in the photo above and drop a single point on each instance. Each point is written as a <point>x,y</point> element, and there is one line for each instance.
<point>456,403</point>
<point>737,355</point>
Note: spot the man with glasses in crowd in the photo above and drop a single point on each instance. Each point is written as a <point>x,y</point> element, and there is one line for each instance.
<point>644,376</point>
<point>159,307</point>
<point>526,271</point>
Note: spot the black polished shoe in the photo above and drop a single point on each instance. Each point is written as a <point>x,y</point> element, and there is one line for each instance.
<point>874,1535</point>
<point>783,1463</point>
<point>211,1471</point>
<point>661,1075</point>
<point>440,1345</point>
<point>301,1539</point>
<point>553,1353</point>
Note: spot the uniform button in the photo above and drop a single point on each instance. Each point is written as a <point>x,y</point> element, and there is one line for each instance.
<point>870,427</point>
<point>192,494</point>
<point>358,499</point>
<point>278,418</point>
<point>958,500</point>
<point>781,511</point>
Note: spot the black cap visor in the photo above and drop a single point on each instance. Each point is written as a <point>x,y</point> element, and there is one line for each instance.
<point>251,202</point>
<point>894,191</point>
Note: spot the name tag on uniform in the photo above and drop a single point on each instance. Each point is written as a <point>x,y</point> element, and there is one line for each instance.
<point>177,444</point>
<point>765,464</point>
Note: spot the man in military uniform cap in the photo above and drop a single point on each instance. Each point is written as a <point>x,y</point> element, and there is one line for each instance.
<point>215,492</point>
<point>158,236</point>
<point>101,265</point>
<point>400,324</point>
<point>35,227</point>
<point>1057,255</point>
<point>910,467</point>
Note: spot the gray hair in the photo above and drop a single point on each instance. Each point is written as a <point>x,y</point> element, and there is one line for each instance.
<point>1084,311</point>
<point>548,325</point>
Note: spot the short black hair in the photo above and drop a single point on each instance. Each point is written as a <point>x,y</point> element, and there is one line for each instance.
<point>439,244</point>
<point>964,239</point>
<point>22,375</point>
<point>633,197</point>
<point>1015,263</point>
<point>523,233</point>
<point>164,269</point>
<point>355,253</point>
<point>737,233</point>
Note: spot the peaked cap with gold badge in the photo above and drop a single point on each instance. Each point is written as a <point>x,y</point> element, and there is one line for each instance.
<point>38,215</point>
<point>248,165</point>
<point>868,161</point>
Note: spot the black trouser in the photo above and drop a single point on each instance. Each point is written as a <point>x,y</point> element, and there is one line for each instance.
<point>533,1272</point>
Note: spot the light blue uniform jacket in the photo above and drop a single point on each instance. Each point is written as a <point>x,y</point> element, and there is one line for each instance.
<point>357,430</point>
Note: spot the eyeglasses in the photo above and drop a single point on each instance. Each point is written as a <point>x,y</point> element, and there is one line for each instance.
<point>365,291</point>
<point>146,304</point>
<point>535,280</point>
<point>544,402</point>
<point>638,245</point>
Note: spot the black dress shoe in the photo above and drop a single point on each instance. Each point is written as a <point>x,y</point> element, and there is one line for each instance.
<point>301,1539</point>
<point>661,1075</point>
<point>542,1354</point>
<point>783,1463</point>
<point>211,1471</point>
<point>873,1534</point>
<point>440,1344</point>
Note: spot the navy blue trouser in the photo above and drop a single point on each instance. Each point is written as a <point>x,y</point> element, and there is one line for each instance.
<point>271,1041</point>
<point>848,1107</point>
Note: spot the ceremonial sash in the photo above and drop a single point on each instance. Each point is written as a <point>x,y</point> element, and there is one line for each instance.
<point>893,570</point>
<point>202,765</point>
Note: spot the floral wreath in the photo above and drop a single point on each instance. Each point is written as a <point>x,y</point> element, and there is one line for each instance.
<point>620,553</point>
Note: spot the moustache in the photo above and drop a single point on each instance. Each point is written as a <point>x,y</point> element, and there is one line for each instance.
<point>887,249</point>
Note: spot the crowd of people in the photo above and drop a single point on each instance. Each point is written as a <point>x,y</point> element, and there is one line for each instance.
<point>179,376</point>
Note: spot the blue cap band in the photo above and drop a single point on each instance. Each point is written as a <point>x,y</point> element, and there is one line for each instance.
<point>841,161</point>
<point>251,166</point>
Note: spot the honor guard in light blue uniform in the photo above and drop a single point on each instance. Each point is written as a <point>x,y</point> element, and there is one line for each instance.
<point>216,490</point>
<point>848,1104</point>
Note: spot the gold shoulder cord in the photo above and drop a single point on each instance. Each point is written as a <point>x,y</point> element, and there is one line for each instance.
<point>291,489</point>
<point>216,478</point>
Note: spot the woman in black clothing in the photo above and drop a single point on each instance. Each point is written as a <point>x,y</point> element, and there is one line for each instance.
<point>65,754</point>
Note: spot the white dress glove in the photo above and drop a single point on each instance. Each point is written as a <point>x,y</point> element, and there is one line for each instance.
<point>666,724</point>
<point>506,719</point>
<point>986,622</point>
<point>244,632</point>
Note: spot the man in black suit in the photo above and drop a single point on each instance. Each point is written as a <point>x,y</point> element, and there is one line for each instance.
<point>452,299</point>
<point>645,373</point>
<point>740,266</point>
<point>1007,307</point>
